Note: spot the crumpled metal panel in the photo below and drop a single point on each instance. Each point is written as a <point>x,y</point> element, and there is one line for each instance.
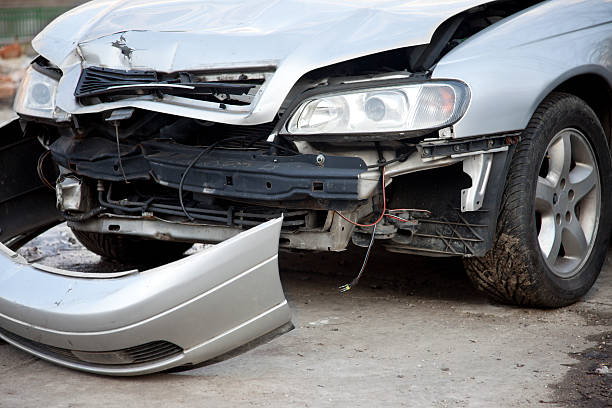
<point>294,36</point>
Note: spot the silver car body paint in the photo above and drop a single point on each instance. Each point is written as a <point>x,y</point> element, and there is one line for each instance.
<point>511,66</point>
<point>287,35</point>
<point>185,303</point>
<point>293,36</point>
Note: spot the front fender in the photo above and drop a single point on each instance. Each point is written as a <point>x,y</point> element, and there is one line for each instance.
<point>513,65</point>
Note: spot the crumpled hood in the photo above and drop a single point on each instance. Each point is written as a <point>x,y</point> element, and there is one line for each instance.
<point>195,34</point>
<point>293,36</point>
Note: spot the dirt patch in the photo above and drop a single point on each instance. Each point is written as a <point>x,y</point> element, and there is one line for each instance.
<point>413,333</point>
<point>588,383</point>
<point>402,274</point>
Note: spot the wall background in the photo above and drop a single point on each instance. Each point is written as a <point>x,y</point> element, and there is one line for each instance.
<point>21,20</point>
<point>39,3</point>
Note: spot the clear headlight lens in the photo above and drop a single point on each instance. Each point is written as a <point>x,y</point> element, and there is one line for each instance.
<point>402,108</point>
<point>36,95</point>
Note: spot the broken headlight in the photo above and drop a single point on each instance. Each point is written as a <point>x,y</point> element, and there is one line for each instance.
<point>399,108</point>
<point>36,95</point>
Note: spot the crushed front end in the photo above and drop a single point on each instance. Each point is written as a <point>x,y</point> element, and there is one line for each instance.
<point>343,152</point>
<point>156,138</point>
<point>153,148</point>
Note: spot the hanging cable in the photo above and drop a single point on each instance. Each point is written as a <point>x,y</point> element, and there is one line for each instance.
<point>395,217</point>
<point>40,171</point>
<point>354,282</point>
<point>385,211</point>
<point>382,215</point>
<point>119,152</point>
<point>190,166</point>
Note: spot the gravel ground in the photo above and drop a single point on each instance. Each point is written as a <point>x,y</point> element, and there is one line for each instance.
<point>413,334</point>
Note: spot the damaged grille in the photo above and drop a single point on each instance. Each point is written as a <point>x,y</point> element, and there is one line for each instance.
<point>110,84</point>
<point>143,354</point>
<point>95,81</point>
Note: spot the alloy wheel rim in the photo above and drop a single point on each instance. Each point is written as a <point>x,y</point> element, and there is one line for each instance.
<point>567,203</point>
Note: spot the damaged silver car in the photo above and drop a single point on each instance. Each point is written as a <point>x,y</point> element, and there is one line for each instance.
<point>476,129</point>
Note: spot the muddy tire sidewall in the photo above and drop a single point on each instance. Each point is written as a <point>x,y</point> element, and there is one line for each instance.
<point>514,270</point>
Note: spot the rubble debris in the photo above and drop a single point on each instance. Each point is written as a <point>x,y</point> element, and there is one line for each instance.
<point>11,51</point>
<point>7,87</point>
<point>11,73</point>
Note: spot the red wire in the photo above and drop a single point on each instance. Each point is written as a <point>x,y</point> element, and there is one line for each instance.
<point>384,212</point>
<point>408,210</point>
<point>397,218</point>
<point>382,215</point>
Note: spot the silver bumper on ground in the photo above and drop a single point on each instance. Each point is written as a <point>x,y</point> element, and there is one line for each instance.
<point>133,323</point>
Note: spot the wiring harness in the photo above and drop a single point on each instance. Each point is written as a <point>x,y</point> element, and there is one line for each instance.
<point>384,213</point>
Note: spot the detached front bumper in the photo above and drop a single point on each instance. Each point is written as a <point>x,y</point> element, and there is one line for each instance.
<point>134,322</point>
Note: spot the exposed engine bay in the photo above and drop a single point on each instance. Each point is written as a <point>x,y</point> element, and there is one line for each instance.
<point>129,171</point>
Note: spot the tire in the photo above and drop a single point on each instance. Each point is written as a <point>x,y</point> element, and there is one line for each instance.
<point>558,186</point>
<point>128,249</point>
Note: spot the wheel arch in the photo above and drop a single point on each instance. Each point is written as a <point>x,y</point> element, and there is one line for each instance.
<point>589,86</point>
<point>592,88</point>
<point>512,282</point>
<point>510,75</point>
<point>596,91</point>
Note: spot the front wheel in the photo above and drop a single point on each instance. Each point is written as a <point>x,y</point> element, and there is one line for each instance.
<point>555,219</point>
<point>125,248</point>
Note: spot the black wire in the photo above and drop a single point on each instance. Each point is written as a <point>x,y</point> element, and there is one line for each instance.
<point>383,164</point>
<point>401,157</point>
<point>199,156</point>
<point>354,282</point>
<point>387,162</point>
<point>84,216</point>
<point>365,261</point>
<point>119,153</point>
<point>184,177</point>
<point>192,163</point>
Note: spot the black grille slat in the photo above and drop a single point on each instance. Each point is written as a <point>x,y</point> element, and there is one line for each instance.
<point>107,82</point>
<point>162,354</point>
<point>145,353</point>
<point>94,80</point>
<point>142,348</point>
<point>152,352</point>
<point>153,356</point>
